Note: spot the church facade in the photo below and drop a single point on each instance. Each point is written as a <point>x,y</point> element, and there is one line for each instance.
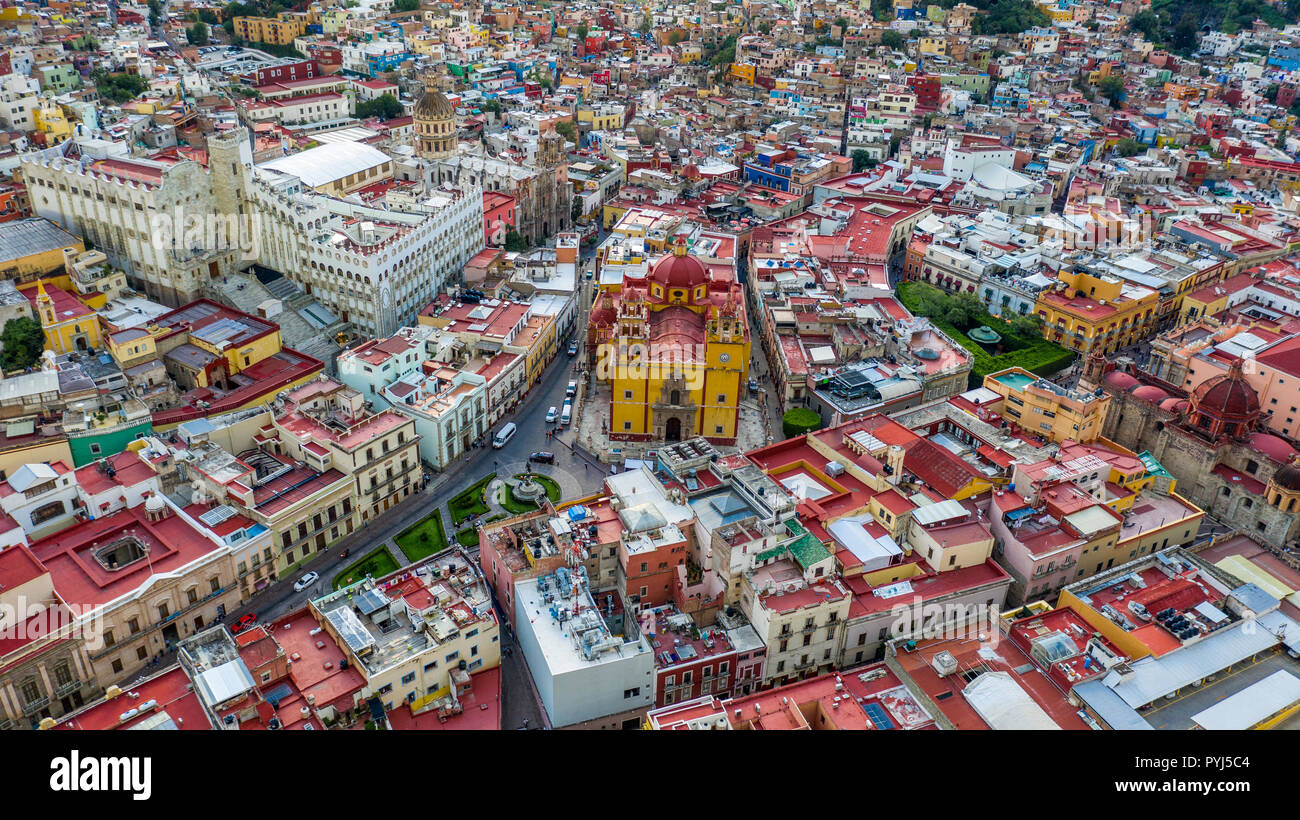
<point>674,349</point>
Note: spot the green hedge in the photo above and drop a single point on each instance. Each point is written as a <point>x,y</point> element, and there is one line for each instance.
<point>799,420</point>
<point>1033,353</point>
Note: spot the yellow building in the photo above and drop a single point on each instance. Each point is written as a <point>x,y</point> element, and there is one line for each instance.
<point>1087,312</point>
<point>281,30</point>
<point>674,350</point>
<point>743,73</point>
<point>1041,407</point>
<point>68,324</point>
<point>49,118</point>
<point>602,119</point>
<point>1055,12</point>
<point>32,248</point>
<point>934,45</point>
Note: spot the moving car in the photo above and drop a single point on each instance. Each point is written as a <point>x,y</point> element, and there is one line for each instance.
<point>305,581</point>
<point>573,348</point>
<point>543,456</point>
<point>504,435</point>
<point>552,415</point>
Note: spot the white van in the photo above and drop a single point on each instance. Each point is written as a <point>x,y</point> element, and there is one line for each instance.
<point>566,415</point>
<point>504,435</point>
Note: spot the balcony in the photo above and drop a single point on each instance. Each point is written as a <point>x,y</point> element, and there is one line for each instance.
<point>35,706</point>
<point>68,688</point>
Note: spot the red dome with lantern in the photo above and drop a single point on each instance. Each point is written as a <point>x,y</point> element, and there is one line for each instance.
<point>679,269</point>
<point>1225,405</point>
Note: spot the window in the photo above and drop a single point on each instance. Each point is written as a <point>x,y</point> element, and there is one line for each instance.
<point>430,666</point>
<point>192,595</point>
<point>117,665</point>
<point>133,625</point>
<point>409,677</point>
<point>453,656</point>
<point>215,583</point>
<point>109,640</point>
<point>632,693</point>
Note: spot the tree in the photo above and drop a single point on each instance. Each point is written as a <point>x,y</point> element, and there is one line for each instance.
<point>764,27</point>
<point>155,13</point>
<point>882,9</point>
<point>385,107</point>
<point>1281,139</point>
<point>1129,147</point>
<point>1148,23</point>
<point>582,31</point>
<point>575,210</point>
<point>209,16</point>
<point>1112,88</point>
<point>1010,17</point>
<point>962,309</point>
<point>861,160</point>
<point>842,22</point>
<point>799,420</point>
<point>515,242</point>
<point>892,40</point>
<point>197,34</point>
<point>645,25</point>
<point>1183,37</point>
<point>23,341</point>
<point>1027,324</point>
<point>567,129</point>
<point>406,5</point>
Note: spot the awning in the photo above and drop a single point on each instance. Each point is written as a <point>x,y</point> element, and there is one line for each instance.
<point>376,709</point>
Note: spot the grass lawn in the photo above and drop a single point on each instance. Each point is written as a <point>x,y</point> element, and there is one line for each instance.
<point>378,563</point>
<point>468,537</point>
<point>1035,353</point>
<point>470,502</point>
<point>425,538</point>
<point>506,498</point>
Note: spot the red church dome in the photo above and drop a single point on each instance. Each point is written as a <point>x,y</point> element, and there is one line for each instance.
<point>1151,393</point>
<point>1227,397</point>
<point>1121,380</point>
<point>679,269</point>
<point>1272,446</point>
<point>1224,405</point>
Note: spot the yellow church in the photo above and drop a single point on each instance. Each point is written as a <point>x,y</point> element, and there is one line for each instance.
<point>673,346</point>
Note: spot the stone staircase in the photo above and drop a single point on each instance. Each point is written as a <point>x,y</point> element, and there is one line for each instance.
<point>296,331</point>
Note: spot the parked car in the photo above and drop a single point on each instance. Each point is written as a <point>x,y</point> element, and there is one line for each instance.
<point>552,415</point>
<point>571,390</point>
<point>243,623</point>
<point>305,581</point>
<point>543,457</point>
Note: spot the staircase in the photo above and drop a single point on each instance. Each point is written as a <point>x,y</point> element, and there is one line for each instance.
<point>296,331</point>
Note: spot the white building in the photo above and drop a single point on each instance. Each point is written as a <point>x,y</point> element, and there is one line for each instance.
<point>581,669</point>
<point>18,99</point>
<point>119,203</point>
<point>372,267</point>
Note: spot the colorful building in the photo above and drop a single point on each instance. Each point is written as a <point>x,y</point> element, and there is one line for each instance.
<point>674,349</point>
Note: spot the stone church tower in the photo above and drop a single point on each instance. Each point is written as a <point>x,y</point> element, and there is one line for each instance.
<point>435,123</point>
